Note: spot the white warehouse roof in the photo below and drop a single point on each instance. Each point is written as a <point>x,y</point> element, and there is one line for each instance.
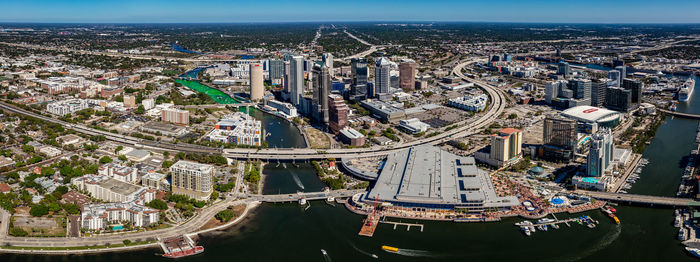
<point>591,114</point>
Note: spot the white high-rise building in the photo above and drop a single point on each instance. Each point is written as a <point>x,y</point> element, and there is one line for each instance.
<point>257,89</point>
<point>148,103</point>
<point>328,62</point>
<point>600,156</point>
<point>382,76</point>
<point>192,179</point>
<point>296,79</point>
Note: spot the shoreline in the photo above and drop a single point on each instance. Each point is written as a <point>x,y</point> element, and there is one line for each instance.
<point>76,251</point>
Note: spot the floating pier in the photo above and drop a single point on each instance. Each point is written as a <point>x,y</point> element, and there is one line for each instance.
<point>408,225</point>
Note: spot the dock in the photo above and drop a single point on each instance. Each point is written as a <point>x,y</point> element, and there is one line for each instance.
<point>369,225</point>
<point>181,246</point>
<point>408,225</point>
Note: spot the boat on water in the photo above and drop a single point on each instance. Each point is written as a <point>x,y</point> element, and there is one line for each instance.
<point>681,234</point>
<point>182,246</point>
<point>390,249</point>
<point>677,221</point>
<point>545,221</point>
<point>686,90</point>
<point>330,199</point>
<point>555,226</point>
<point>694,251</point>
<point>374,256</point>
<point>323,251</point>
<point>523,223</point>
<point>526,231</point>
<point>302,201</point>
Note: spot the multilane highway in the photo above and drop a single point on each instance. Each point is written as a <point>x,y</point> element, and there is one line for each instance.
<point>465,128</point>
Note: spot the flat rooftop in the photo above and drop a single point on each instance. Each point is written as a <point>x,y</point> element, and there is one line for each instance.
<point>428,175</point>
<point>163,127</point>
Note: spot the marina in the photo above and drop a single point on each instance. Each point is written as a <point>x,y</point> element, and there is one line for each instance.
<point>527,227</point>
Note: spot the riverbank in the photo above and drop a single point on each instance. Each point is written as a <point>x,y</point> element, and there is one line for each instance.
<point>81,250</point>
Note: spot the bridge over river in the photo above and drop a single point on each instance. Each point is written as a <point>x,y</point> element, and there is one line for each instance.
<point>306,195</point>
<point>641,199</point>
<point>680,114</point>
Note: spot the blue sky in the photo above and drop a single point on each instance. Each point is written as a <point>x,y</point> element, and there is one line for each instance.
<point>204,11</point>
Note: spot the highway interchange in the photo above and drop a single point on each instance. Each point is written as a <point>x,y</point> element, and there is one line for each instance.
<point>465,128</point>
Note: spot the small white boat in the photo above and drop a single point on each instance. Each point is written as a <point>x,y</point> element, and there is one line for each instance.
<point>545,221</point>
<point>330,199</point>
<point>302,201</point>
<point>526,231</point>
<point>523,223</point>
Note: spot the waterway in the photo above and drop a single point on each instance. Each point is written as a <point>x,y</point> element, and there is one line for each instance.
<point>287,232</point>
<point>179,48</point>
<point>280,132</point>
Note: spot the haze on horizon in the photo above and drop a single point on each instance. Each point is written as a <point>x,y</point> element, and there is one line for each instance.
<point>220,11</point>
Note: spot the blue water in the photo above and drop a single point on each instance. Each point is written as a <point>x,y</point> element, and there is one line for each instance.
<point>184,50</point>
<point>557,201</point>
<point>117,227</point>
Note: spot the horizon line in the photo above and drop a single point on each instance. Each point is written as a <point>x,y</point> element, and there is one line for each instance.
<point>363,21</point>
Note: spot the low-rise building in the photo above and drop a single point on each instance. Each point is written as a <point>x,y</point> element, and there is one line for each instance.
<point>154,180</point>
<point>99,216</point>
<point>64,107</point>
<point>164,129</point>
<point>383,111</point>
<point>470,103</point>
<point>352,137</point>
<point>286,109</point>
<point>70,139</point>
<point>427,177</point>
<point>112,190</point>
<point>414,125</point>
<point>596,183</point>
<point>119,172</point>
<point>238,128</point>
<point>50,151</point>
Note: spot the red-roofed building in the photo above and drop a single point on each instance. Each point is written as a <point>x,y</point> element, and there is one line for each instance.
<point>506,147</point>
<point>5,188</point>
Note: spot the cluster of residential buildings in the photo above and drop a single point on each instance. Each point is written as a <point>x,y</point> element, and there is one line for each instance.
<point>237,128</point>
<point>126,199</point>
<point>470,103</point>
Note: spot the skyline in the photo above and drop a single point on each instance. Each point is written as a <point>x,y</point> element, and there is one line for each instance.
<point>278,11</point>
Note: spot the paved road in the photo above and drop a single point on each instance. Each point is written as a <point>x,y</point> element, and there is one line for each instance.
<point>191,226</point>
<point>188,227</point>
<point>465,128</point>
<point>307,196</point>
<point>640,199</point>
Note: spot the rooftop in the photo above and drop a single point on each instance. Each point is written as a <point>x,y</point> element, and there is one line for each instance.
<point>590,114</point>
<point>428,175</point>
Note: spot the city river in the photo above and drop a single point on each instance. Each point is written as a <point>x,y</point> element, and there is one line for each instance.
<point>287,232</point>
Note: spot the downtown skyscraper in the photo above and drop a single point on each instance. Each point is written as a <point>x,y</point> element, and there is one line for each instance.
<point>382,76</point>
<point>322,84</point>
